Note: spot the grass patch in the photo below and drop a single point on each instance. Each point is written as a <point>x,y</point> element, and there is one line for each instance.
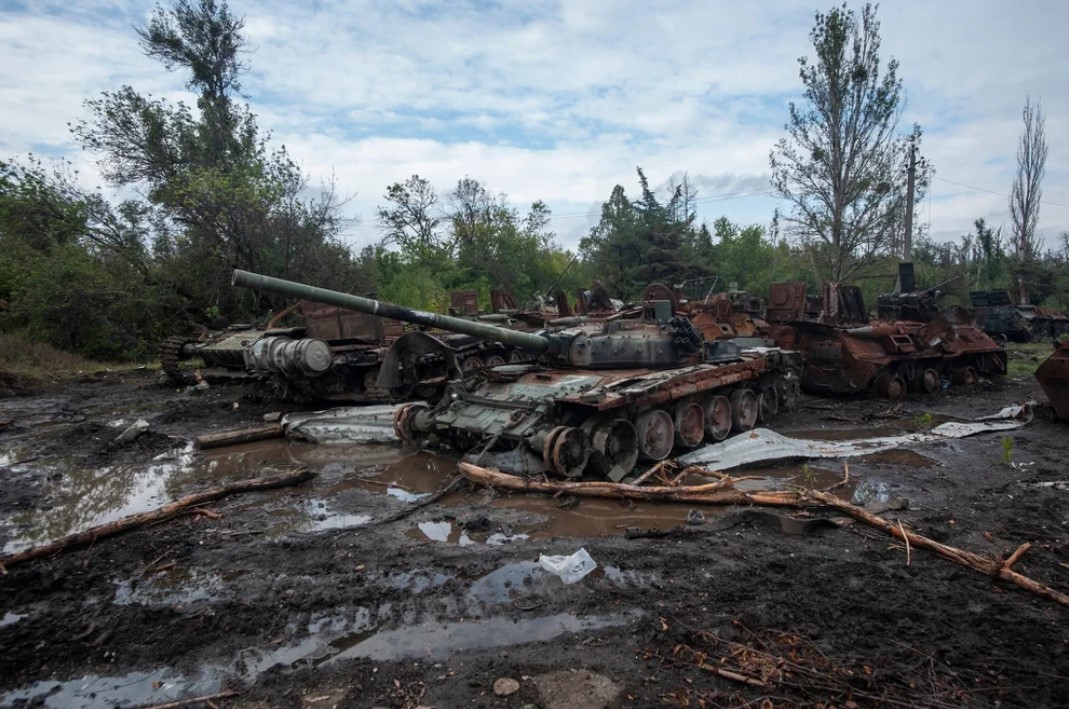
<point>1024,357</point>
<point>31,362</point>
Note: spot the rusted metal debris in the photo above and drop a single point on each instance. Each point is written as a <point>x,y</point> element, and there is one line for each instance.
<point>1053,376</point>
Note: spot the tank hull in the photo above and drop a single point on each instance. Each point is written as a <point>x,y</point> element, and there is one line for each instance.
<point>1053,376</point>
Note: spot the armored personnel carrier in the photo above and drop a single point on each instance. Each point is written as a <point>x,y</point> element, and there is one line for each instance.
<point>911,346</point>
<point>599,396</point>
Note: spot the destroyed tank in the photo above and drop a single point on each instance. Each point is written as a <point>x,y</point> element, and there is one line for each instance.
<point>599,397</point>
<point>910,347</point>
<point>333,355</point>
<point>1000,316</point>
<point>1053,376</point>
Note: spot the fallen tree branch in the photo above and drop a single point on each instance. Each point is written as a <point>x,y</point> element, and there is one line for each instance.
<point>186,702</point>
<point>983,564</point>
<point>244,435</point>
<point>723,493</point>
<point>129,522</point>
<point>442,492</point>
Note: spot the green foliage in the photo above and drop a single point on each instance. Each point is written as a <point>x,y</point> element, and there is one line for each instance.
<point>839,166</point>
<point>1007,450</point>
<point>923,420</point>
<point>642,241</point>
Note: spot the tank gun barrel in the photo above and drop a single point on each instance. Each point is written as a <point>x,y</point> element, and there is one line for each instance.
<point>938,286</point>
<point>522,340</point>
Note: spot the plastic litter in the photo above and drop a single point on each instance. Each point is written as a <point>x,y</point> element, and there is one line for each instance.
<point>569,568</point>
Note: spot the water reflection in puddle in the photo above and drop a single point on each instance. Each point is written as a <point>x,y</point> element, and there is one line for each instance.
<point>134,689</point>
<point>436,640</point>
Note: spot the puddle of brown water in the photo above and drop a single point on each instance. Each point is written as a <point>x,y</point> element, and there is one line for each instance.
<point>899,456</point>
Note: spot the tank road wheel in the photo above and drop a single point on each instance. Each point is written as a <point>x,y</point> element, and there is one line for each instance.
<point>472,363</point>
<point>689,420</point>
<point>516,357</point>
<point>767,405</point>
<point>402,419</point>
<point>928,381</point>
<point>656,433</point>
<point>890,386</point>
<point>566,451</point>
<point>964,376</point>
<point>717,417</point>
<point>613,446</point>
<point>495,361</point>
<point>744,409</point>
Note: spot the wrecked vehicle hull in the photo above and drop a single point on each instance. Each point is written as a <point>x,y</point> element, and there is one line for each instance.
<point>1053,376</point>
<point>911,347</point>
<point>601,423</point>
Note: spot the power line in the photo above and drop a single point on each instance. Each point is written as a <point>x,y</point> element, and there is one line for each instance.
<point>982,189</point>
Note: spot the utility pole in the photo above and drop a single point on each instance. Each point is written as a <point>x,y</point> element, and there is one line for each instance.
<point>911,174</point>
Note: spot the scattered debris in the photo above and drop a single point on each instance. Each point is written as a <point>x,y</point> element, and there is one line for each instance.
<point>570,568</point>
<point>132,432</point>
<point>764,445</point>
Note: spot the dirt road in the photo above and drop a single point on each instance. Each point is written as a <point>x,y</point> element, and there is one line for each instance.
<point>301,597</point>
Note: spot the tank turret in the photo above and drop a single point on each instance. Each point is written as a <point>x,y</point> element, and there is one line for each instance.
<point>599,397</point>
<point>659,339</point>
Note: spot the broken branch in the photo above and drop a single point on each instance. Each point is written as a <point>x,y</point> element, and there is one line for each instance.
<point>129,522</point>
<point>186,702</point>
<point>244,435</point>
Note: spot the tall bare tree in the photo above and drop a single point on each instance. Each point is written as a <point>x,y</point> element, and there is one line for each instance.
<point>840,165</point>
<point>1024,199</point>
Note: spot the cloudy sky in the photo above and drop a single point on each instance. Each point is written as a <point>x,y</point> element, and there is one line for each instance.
<point>560,101</point>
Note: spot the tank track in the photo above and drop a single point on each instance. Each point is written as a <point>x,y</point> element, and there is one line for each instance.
<point>170,356</point>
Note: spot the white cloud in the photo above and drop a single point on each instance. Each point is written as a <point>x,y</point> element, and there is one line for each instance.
<point>560,101</point>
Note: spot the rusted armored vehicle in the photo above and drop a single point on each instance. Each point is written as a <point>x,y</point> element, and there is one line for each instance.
<point>1001,316</point>
<point>599,397</point>
<point>334,354</point>
<point>1053,376</point>
<point>910,347</point>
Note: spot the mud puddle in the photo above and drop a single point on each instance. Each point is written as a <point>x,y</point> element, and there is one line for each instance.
<point>76,497</point>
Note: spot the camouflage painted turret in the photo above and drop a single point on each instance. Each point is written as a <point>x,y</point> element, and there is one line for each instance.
<point>599,396</point>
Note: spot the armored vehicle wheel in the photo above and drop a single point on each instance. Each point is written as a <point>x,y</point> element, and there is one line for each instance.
<point>472,363</point>
<point>495,361</point>
<point>656,433</point>
<point>890,386</point>
<point>717,417</point>
<point>767,405</point>
<point>966,376</point>
<point>928,381</point>
<point>571,451</point>
<point>402,420</point>
<point>516,357</point>
<point>689,420</point>
<point>613,446</point>
<point>744,409</point>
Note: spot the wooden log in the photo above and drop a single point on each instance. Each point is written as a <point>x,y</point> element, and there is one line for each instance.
<point>195,700</point>
<point>984,564</point>
<point>721,492</point>
<point>244,435</point>
<point>129,522</point>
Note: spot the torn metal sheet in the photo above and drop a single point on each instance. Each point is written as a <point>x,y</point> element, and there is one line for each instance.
<point>762,445</point>
<point>347,424</point>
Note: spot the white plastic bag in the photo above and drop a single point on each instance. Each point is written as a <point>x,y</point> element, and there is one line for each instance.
<point>569,568</point>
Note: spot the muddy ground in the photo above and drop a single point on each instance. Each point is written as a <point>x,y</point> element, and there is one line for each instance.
<point>302,597</point>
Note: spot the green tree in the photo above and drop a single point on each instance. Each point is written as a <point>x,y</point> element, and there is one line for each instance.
<point>839,165</point>
<point>642,241</point>
<point>221,198</point>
